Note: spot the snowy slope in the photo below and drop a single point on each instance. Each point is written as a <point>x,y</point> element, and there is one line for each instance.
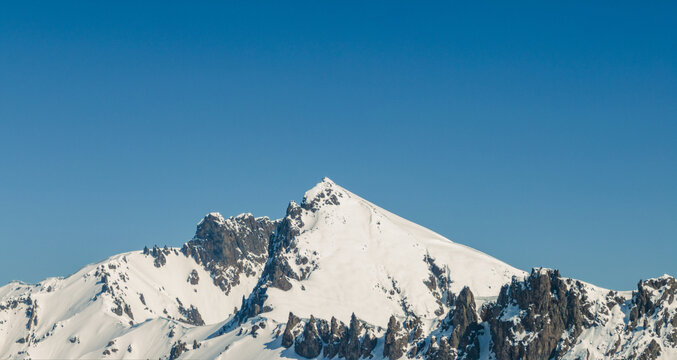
<point>384,262</point>
<point>77,308</point>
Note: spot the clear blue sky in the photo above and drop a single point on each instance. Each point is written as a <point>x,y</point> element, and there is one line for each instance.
<point>542,134</point>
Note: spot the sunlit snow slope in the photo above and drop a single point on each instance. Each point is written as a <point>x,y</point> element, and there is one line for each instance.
<point>351,256</point>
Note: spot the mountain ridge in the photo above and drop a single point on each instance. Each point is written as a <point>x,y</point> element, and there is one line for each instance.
<point>336,277</point>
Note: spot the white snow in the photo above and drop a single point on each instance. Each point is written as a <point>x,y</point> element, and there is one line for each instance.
<point>371,260</point>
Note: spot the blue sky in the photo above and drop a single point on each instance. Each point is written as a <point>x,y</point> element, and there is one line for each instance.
<point>542,134</point>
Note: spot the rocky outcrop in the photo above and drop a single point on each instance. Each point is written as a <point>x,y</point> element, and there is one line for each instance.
<point>350,344</point>
<point>652,352</point>
<point>440,350</point>
<point>462,319</point>
<point>438,283</point>
<point>651,297</point>
<point>177,349</point>
<point>191,315</point>
<point>309,344</point>
<point>193,277</point>
<point>278,270</point>
<point>331,339</point>
<point>326,195</point>
<point>289,331</point>
<point>159,255</point>
<point>463,322</point>
<point>231,248</point>
<point>32,314</point>
<point>539,318</point>
<point>332,335</point>
<point>545,315</point>
<point>122,307</point>
<point>395,341</point>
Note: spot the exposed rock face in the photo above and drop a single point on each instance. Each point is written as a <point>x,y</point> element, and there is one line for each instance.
<point>646,303</point>
<point>289,335</point>
<point>555,309</point>
<point>230,248</point>
<point>282,248</point>
<point>191,315</point>
<point>652,311</point>
<point>194,278</point>
<point>462,319</point>
<point>278,269</point>
<point>328,196</point>
<point>332,336</point>
<point>309,344</point>
<point>122,307</point>
<point>350,345</point>
<point>539,318</point>
<point>441,350</point>
<point>159,255</point>
<point>438,283</point>
<point>178,349</point>
<point>369,342</point>
<point>456,336</point>
<point>331,339</point>
<point>653,351</point>
<point>395,342</point>
<point>31,313</point>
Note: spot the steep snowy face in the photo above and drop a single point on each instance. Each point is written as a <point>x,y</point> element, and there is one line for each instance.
<point>338,254</point>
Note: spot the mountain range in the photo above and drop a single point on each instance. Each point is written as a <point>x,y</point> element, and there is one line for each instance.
<point>337,278</point>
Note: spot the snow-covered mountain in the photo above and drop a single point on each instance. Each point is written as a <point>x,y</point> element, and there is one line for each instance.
<point>337,277</point>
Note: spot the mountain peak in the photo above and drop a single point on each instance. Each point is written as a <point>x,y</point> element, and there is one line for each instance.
<point>215,217</point>
<point>326,192</point>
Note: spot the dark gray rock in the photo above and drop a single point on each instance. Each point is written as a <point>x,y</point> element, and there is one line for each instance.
<point>328,196</point>
<point>644,306</point>
<point>333,337</point>
<point>159,256</point>
<point>227,248</point>
<point>191,315</point>
<point>350,347</point>
<point>330,338</point>
<point>395,342</point>
<point>193,277</point>
<point>441,351</point>
<point>309,344</point>
<point>288,336</point>
<point>369,342</point>
<point>178,348</point>
<point>652,352</point>
<point>461,319</point>
<point>546,306</point>
<point>32,314</point>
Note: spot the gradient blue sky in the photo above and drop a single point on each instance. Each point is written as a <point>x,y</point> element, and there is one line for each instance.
<point>543,134</point>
